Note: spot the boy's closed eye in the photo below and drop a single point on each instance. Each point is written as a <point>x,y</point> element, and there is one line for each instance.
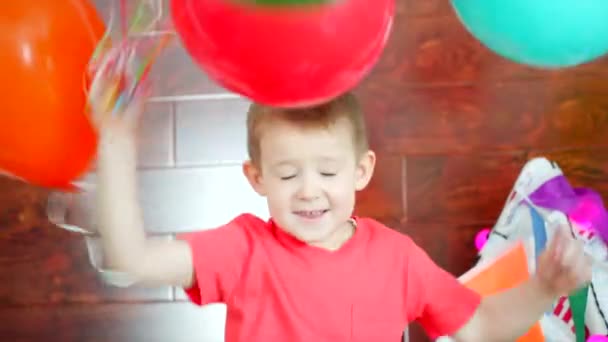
<point>324,174</point>
<point>328,174</point>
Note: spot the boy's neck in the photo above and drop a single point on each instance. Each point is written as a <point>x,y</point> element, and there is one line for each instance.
<point>340,236</point>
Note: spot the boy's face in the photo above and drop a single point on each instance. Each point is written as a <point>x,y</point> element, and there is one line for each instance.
<point>309,177</point>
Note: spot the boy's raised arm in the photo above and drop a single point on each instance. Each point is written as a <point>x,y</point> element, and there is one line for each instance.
<point>148,262</point>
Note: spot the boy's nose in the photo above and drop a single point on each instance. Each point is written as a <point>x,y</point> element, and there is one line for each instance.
<point>308,189</point>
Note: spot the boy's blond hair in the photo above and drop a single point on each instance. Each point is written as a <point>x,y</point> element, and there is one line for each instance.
<point>345,107</point>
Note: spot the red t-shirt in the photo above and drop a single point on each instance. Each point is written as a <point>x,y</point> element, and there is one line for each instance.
<point>277,288</point>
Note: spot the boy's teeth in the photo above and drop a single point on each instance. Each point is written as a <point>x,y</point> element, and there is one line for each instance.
<point>311,213</point>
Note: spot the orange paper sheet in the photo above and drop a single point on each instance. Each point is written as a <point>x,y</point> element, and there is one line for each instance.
<point>509,270</point>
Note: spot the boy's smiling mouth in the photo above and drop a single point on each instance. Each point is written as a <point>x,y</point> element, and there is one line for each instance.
<point>311,214</point>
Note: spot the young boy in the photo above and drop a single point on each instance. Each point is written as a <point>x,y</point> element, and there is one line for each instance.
<point>313,272</point>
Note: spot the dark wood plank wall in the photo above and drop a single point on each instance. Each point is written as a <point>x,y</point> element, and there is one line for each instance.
<point>452,122</point>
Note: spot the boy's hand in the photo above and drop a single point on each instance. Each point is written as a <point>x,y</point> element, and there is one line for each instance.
<point>108,118</point>
<point>563,267</point>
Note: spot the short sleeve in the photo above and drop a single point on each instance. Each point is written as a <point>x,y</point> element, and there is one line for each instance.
<point>442,305</point>
<point>218,258</point>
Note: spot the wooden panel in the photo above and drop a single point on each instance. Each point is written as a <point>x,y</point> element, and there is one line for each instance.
<point>464,189</point>
<point>451,246</point>
<point>582,167</point>
<point>437,49</point>
<point>417,334</point>
<point>383,198</point>
<point>541,114</point>
<point>411,8</point>
<point>41,263</point>
<point>160,322</point>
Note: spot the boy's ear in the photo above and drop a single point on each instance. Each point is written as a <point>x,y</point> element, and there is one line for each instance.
<point>254,176</point>
<point>365,169</point>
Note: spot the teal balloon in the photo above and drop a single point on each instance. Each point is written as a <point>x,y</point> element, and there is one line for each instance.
<point>540,33</point>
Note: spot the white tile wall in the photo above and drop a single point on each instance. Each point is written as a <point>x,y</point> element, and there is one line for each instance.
<point>211,132</point>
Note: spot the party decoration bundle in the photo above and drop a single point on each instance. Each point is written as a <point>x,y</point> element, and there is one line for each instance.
<point>541,201</point>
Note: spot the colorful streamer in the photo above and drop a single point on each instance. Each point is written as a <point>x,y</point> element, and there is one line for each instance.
<point>118,70</point>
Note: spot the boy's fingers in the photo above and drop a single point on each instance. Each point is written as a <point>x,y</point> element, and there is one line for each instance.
<point>554,246</point>
<point>564,230</point>
<point>585,269</point>
<point>571,254</point>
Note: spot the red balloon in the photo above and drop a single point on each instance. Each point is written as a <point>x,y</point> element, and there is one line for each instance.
<point>286,56</point>
<point>45,136</point>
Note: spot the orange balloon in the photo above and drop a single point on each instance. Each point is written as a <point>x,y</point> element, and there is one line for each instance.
<point>46,137</point>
